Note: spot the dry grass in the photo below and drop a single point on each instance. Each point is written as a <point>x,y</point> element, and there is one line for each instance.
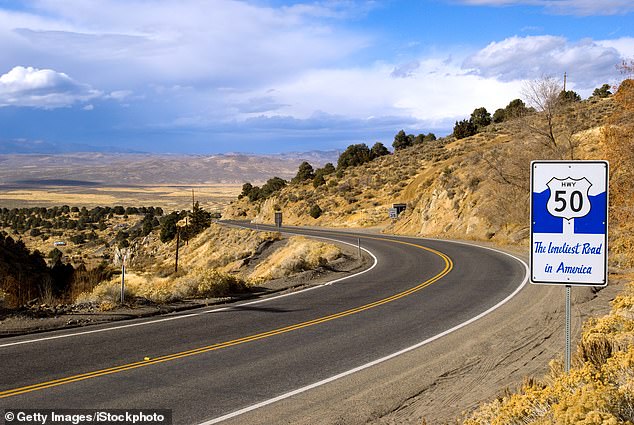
<point>212,197</point>
<point>198,283</point>
<point>598,390</point>
<point>298,255</point>
<point>217,263</point>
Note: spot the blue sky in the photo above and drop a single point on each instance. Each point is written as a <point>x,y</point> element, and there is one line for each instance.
<point>213,76</point>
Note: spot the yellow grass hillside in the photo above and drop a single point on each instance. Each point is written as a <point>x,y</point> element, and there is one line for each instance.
<point>453,188</point>
<point>221,261</point>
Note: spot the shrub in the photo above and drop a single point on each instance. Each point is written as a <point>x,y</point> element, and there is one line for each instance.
<point>402,141</point>
<point>246,190</point>
<point>515,109</point>
<point>315,211</point>
<point>305,172</point>
<point>499,115</point>
<point>319,181</point>
<point>602,92</point>
<point>353,156</point>
<point>212,283</point>
<point>273,185</point>
<point>78,239</point>
<point>569,96</point>
<point>328,168</point>
<point>168,227</point>
<point>480,118</point>
<point>429,137</point>
<point>378,150</point>
<point>464,129</point>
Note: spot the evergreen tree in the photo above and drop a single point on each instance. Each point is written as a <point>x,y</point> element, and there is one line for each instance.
<point>464,128</point>
<point>168,227</point>
<point>480,118</point>
<point>402,141</point>
<point>602,92</point>
<point>378,150</point>
<point>319,180</point>
<point>200,220</point>
<point>569,96</point>
<point>305,172</point>
<point>353,156</point>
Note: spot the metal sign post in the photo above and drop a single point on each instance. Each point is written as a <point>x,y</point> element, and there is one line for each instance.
<point>569,226</point>
<point>567,353</point>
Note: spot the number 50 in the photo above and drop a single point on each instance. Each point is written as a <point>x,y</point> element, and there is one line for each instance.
<point>575,201</point>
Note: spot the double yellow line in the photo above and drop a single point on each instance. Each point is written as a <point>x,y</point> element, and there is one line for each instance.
<point>162,359</point>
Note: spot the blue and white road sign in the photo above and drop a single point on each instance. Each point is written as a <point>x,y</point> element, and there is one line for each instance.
<point>569,222</point>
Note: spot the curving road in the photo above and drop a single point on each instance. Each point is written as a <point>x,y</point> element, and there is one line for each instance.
<point>209,363</point>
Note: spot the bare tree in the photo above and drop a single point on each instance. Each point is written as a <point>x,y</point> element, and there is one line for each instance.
<point>543,95</point>
<point>558,121</point>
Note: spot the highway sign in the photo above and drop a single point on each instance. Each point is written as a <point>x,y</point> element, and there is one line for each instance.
<point>393,212</point>
<point>569,222</point>
<point>278,219</point>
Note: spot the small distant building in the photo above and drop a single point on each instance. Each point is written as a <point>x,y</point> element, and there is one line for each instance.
<point>59,243</point>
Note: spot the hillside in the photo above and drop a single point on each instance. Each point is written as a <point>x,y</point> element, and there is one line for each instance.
<point>475,187</point>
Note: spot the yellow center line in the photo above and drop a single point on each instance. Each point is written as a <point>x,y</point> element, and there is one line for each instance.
<point>117,369</point>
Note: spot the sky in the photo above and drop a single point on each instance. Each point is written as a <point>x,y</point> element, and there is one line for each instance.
<point>269,76</point>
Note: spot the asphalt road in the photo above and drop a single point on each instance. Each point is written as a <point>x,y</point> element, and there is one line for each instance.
<point>211,362</point>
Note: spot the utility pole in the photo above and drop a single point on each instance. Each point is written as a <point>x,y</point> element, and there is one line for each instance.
<point>565,77</point>
<point>123,279</point>
<point>178,240</point>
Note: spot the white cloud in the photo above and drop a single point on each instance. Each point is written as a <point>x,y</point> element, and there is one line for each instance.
<point>624,45</point>
<point>195,42</point>
<point>42,88</point>
<point>405,70</point>
<point>437,94</point>
<point>566,7</point>
<point>119,94</point>
<point>587,62</point>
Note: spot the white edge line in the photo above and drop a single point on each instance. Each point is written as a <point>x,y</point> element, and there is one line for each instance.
<point>213,310</point>
<point>388,357</point>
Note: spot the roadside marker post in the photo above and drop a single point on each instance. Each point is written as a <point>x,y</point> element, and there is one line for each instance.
<point>123,281</point>
<point>121,255</point>
<point>569,227</point>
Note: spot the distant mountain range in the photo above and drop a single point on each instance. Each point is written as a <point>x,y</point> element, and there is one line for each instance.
<point>125,169</point>
<point>41,147</point>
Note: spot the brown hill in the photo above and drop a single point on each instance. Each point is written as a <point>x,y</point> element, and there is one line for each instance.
<point>472,188</point>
